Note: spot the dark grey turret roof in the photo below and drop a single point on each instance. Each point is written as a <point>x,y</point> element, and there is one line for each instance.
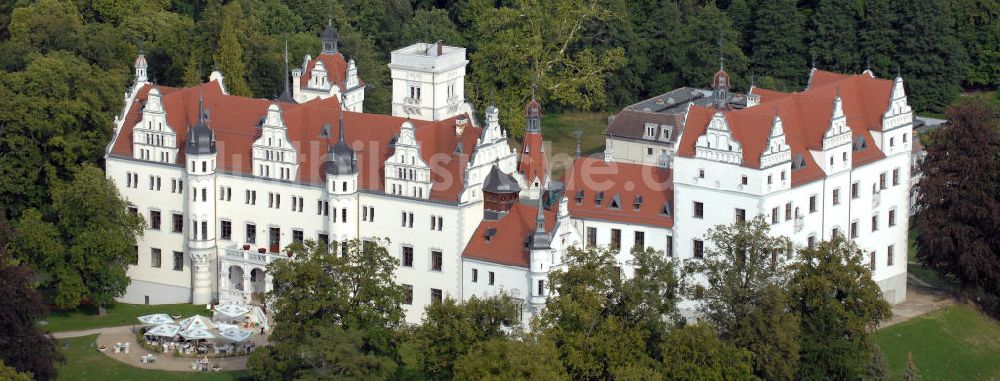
<point>499,182</point>
<point>329,37</point>
<point>340,156</point>
<point>200,138</point>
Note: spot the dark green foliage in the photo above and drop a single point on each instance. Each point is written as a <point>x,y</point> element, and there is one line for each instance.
<point>876,37</point>
<point>22,346</point>
<point>834,31</point>
<point>84,252</point>
<point>695,353</point>
<point>430,26</point>
<point>958,199</point>
<point>334,315</point>
<point>450,329</point>
<point>839,307</point>
<point>928,53</point>
<point>506,359</point>
<point>777,46</point>
<point>877,368</point>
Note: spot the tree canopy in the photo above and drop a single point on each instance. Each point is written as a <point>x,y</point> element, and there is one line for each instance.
<point>22,346</point>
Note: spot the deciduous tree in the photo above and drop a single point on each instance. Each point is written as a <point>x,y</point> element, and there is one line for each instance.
<point>839,307</point>
<point>778,49</point>
<point>746,273</point>
<point>350,301</point>
<point>449,329</point>
<point>502,359</point>
<point>958,202</point>
<point>22,346</point>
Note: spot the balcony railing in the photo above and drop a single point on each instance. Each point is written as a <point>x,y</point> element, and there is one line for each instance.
<point>252,256</point>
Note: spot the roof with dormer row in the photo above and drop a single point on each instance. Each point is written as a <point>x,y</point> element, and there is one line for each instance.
<point>805,117</point>
<point>236,122</point>
<point>504,241</point>
<point>620,192</point>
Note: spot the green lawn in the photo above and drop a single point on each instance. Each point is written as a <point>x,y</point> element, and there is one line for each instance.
<point>559,129</point>
<point>923,273</point>
<point>117,315</point>
<point>84,362</point>
<point>955,343</point>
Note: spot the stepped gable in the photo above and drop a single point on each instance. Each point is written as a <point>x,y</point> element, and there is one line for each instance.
<point>336,70</point>
<point>506,245</point>
<point>627,184</point>
<point>235,121</point>
<point>805,117</point>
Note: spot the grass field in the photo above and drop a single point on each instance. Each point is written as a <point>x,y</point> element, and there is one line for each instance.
<point>558,130</point>
<point>923,273</point>
<point>85,363</point>
<point>117,315</point>
<point>955,343</point>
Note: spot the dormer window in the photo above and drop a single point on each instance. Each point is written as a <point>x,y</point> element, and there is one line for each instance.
<point>599,199</point>
<point>798,161</point>
<point>637,203</point>
<point>859,144</point>
<point>666,210</point>
<point>579,197</point>
<point>665,132</point>
<point>490,233</point>
<point>615,202</point>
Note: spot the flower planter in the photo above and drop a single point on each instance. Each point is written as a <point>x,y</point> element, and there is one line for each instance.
<point>262,250</point>
<point>246,247</point>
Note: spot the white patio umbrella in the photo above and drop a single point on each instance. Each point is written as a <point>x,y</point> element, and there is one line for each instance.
<point>195,333</point>
<point>235,334</point>
<point>224,326</point>
<point>232,310</point>
<point>164,330</point>
<point>155,319</point>
<point>197,321</point>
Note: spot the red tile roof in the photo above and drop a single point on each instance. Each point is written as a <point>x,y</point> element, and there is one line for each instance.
<point>593,175</point>
<point>805,117</point>
<point>532,163</point>
<point>506,247</point>
<point>336,69</point>
<point>234,120</point>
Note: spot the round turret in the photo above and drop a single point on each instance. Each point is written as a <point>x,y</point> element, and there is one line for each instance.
<point>329,38</point>
<point>533,109</point>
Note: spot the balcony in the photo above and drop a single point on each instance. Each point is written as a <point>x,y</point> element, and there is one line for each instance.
<point>251,256</point>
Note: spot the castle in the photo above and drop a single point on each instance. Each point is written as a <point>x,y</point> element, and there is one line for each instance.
<point>226,182</point>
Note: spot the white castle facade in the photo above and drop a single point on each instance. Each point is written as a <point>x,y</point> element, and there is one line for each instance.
<point>226,182</point>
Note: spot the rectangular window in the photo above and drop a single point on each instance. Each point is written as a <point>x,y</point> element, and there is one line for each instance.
<point>204,230</point>
<point>133,210</point>
<point>297,236</point>
<point>492,278</point>
<point>343,217</point>
<point>854,229</point>
<point>436,295</point>
<point>323,238</point>
<point>178,261</point>
<point>895,176</point>
<point>433,223</point>
<point>811,241</point>
<point>854,190</point>
<point>892,217</point>
<point>475,276</point>
<point>154,257</point>
<point>812,204</point>
<point>836,196</point>
<point>699,210</point>
<point>741,215</point>
<point>151,182</point>
<point>670,246</point>
<point>270,199</point>
<point>871,261</point>
<point>440,223</point>
<point>640,240</point>
<point>274,239</point>
<point>881,181</point>
<point>774,215</point>
<point>408,294</point>
<point>541,287</point>
<point>890,251</point>
<point>875,223</point>
<point>788,211</point>
<point>135,255</point>
<point>616,239</point>
<point>154,219</point>
<point>407,256</point>
<point>436,260</point>
<point>591,237</point>
<point>178,225</point>
<point>204,194</point>
<point>251,233</point>
<point>698,249</point>
<point>227,230</point>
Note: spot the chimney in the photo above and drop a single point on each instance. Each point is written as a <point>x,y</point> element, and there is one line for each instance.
<point>440,47</point>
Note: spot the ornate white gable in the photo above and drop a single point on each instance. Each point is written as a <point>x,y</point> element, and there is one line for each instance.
<point>898,112</point>
<point>406,173</point>
<point>491,147</point>
<point>718,144</point>
<point>837,133</point>
<point>777,150</point>
<point>274,156</point>
<point>152,138</point>
<point>318,78</point>
<point>352,75</point>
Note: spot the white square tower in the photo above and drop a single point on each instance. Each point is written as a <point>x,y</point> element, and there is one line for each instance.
<point>428,81</point>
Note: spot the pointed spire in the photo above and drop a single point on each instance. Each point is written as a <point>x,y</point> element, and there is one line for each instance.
<point>540,217</point>
<point>721,54</point>
<point>201,106</point>
<point>340,128</point>
<point>286,96</point>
